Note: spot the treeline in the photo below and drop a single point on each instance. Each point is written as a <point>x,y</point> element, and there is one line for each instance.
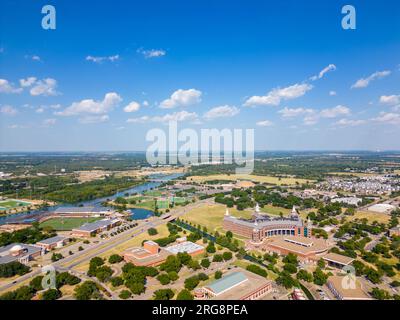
<point>28,236</point>
<point>92,190</point>
<point>276,197</point>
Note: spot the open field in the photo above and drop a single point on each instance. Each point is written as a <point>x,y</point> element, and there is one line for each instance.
<point>244,263</point>
<point>355,174</point>
<point>371,216</point>
<point>269,209</point>
<point>260,179</point>
<point>11,203</point>
<point>211,215</point>
<point>65,224</point>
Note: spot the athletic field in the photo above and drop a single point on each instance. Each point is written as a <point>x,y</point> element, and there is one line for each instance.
<point>11,204</point>
<point>65,224</point>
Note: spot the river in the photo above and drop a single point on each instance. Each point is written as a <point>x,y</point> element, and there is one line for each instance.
<point>35,215</point>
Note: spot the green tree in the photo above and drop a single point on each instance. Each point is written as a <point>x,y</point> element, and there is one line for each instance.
<point>115,258</point>
<point>192,282</point>
<point>380,294</point>
<point>36,283</point>
<point>125,294</point>
<point>285,279</point>
<point>304,275</point>
<point>184,295</point>
<point>135,287</point>
<point>321,263</point>
<point>163,278</point>
<point>163,294</point>
<point>117,281</point>
<point>205,263</point>
<point>227,255</point>
<point>218,274</point>
<point>86,291</point>
<point>173,275</point>
<point>290,267</point>
<point>320,277</point>
<point>152,231</point>
<point>51,294</point>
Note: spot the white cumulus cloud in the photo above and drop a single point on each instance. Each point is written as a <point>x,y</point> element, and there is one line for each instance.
<point>350,122</point>
<point>294,112</point>
<point>182,98</point>
<point>180,116</point>
<point>264,123</point>
<point>90,106</point>
<point>275,96</point>
<point>102,59</point>
<point>364,82</point>
<point>94,119</point>
<point>8,110</point>
<point>221,112</point>
<point>7,87</point>
<point>132,107</point>
<point>152,53</point>
<point>388,117</point>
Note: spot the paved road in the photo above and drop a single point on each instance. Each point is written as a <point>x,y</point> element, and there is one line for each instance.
<point>94,250</point>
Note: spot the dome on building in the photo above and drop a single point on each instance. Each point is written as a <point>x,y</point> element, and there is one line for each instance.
<point>16,248</point>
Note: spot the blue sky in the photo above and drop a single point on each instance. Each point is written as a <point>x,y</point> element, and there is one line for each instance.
<point>285,68</point>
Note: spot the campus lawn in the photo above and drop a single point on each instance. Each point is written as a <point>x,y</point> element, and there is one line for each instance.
<point>212,215</point>
<point>244,263</point>
<point>153,193</point>
<point>275,210</point>
<point>255,178</point>
<point>65,224</point>
<point>149,205</point>
<point>370,216</point>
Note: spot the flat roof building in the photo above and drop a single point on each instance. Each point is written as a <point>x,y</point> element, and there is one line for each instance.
<point>382,208</point>
<point>237,285</point>
<point>93,228</point>
<point>347,289</point>
<point>151,254</point>
<point>187,246</point>
<point>307,249</point>
<point>51,243</point>
<point>337,260</point>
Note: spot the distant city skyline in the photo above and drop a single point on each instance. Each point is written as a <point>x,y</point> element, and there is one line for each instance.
<point>113,71</point>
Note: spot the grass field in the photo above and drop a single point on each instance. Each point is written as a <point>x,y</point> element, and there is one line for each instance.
<point>153,193</point>
<point>275,210</point>
<point>65,224</point>
<point>371,216</point>
<point>243,264</point>
<point>10,204</point>
<point>355,174</point>
<point>211,215</point>
<point>261,179</point>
